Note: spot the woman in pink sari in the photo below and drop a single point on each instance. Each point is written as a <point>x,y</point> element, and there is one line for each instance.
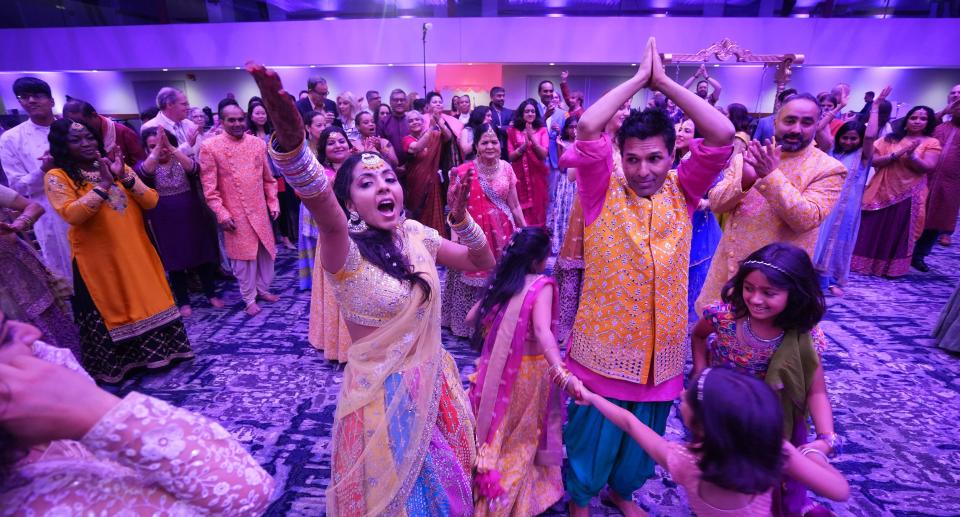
<point>517,408</point>
<point>493,204</point>
<point>527,142</point>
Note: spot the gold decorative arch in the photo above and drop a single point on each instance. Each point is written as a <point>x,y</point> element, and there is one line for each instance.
<point>726,48</point>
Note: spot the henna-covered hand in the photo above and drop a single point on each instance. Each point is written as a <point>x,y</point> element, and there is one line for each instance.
<point>280,106</point>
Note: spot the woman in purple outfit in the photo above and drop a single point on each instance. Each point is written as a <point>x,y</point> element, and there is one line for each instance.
<point>179,226</point>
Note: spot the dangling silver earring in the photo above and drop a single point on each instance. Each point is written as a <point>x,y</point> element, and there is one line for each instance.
<point>355,224</point>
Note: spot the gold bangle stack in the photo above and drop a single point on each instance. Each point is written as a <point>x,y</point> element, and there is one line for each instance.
<point>301,170</point>
<point>560,375</point>
<point>469,232</point>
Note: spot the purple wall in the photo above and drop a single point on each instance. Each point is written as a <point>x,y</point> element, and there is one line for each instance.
<point>838,41</point>
<point>866,53</point>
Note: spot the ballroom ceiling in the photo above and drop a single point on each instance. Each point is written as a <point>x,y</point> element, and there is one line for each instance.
<point>83,13</point>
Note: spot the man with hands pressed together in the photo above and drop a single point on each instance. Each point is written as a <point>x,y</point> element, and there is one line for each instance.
<point>778,190</point>
<point>174,110</point>
<point>240,189</point>
<point>629,341</point>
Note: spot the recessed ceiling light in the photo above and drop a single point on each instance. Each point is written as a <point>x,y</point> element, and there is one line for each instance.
<point>166,69</point>
<point>554,15</point>
<point>405,16</point>
<point>313,66</point>
<point>389,64</point>
<point>553,64</point>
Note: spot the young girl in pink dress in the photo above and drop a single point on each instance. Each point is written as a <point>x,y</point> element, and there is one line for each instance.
<point>766,327</point>
<point>518,411</point>
<point>737,456</point>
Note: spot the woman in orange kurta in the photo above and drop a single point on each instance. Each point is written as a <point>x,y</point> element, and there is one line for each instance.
<point>894,202</point>
<point>122,302</point>
<point>527,141</point>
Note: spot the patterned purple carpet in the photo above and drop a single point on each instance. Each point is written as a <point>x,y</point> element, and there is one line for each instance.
<point>896,398</point>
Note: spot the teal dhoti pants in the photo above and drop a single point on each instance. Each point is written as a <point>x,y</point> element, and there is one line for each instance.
<point>599,453</point>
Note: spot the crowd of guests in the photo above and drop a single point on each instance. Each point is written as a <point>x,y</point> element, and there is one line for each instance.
<point>683,211</point>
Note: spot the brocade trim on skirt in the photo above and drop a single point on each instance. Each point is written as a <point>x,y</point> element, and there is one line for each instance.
<point>138,328</point>
<point>108,360</point>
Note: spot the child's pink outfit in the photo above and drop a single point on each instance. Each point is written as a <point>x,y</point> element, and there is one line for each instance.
<point>682,466</point>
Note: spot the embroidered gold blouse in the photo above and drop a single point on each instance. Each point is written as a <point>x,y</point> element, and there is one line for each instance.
<point>366,294</point>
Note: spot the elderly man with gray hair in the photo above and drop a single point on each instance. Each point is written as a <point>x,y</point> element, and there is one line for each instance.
<point>174,109</point>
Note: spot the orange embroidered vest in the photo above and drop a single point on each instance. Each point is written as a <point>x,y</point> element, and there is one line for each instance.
<point>633,306</point>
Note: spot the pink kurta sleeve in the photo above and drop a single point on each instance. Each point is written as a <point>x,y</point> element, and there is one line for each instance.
<point>593,161</point>
<point>211,184</point>
<point>184,456</point>
<point>269,183</point>
<point>697,173</point>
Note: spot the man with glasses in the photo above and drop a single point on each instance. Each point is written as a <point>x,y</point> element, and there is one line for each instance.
<point>25,155</point>
<point>174,108</point>
<point>317,93</point>
<point>394,127</point>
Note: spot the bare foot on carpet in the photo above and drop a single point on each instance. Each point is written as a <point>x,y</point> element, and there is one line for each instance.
<point>268,297</point>
<point>185,311</point>
<point>626,506</point>
<point>252,310</point>
<point>216,302</point>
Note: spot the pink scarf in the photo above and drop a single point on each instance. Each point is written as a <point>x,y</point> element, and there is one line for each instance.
<point>500,365</point>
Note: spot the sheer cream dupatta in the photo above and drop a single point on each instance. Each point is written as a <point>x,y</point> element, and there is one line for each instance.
<point>388,403</point>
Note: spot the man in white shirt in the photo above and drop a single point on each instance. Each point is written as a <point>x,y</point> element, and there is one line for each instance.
<point>174,109</point>
<point>25,155</point>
